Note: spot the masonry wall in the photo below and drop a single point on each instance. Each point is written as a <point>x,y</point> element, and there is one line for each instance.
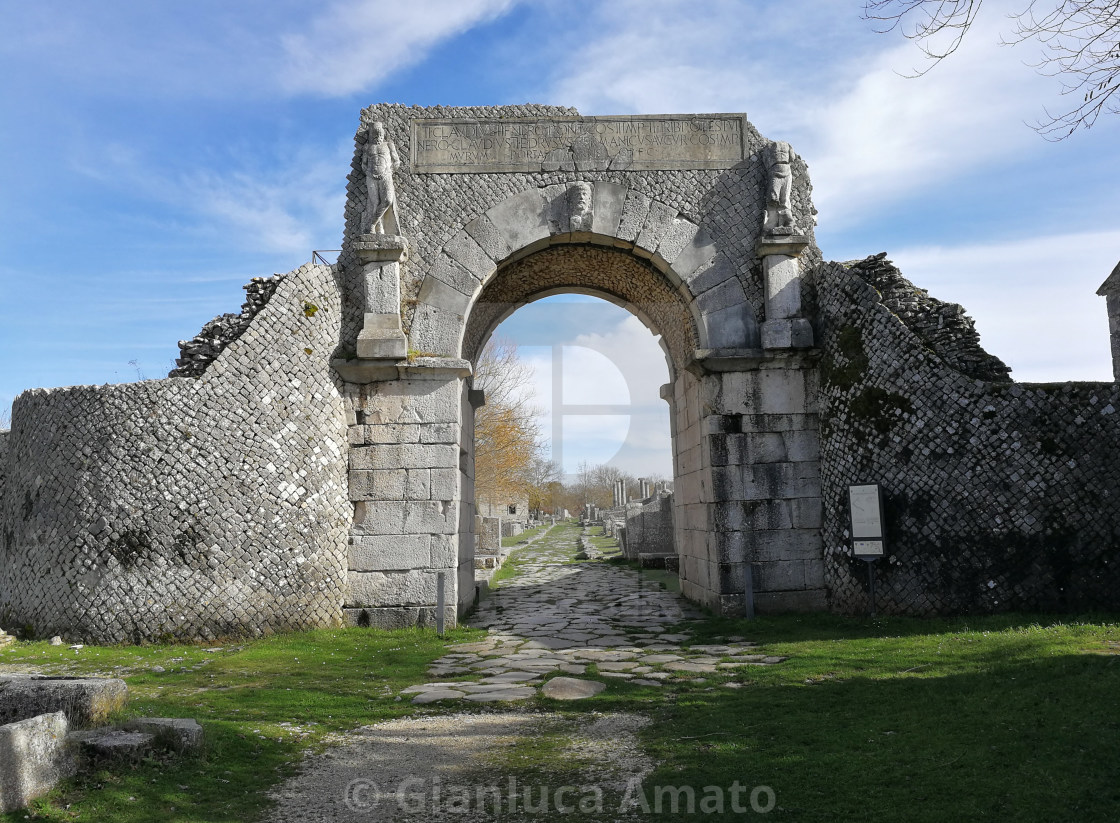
<point>434,208</point>
<point>187,507</point>
<point>4,439</point>
<point>999,496</point>
<point>649,527</point>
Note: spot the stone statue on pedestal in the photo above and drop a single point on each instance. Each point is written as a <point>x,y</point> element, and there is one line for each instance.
<point>779,210</point>
<point>379,161</point>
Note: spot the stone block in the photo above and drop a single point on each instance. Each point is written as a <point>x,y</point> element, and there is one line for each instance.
<point>381,290</point>
<point>370,435</point>
<point>390,552</point>
<point>85,700</point>
<point>807,513</point>
<point>411,401</point>
<point>464,250</point>
<point>34,757</point>
<point>804,445</point>
<point>747,515</point>
<point>387,484</point>
<point>449,272</point>
<point>444,484</point>
<point>782,284</point>
<point>444,551</point>
<point>489,238</point>
<point>179,734</point>
<point>436,293</point>
<point>418,484</point>
<point>782,391</point>
<point>396,617</point>
<point>659,219</point>
<point>634,212</point>
<point>435,330</point>
<point>439,433</point>
<point>404,456</point>
<point>392,588</point>
<point>112,744</point>
<point>791,602</point>
<point>678,236</point>
<point>696,255</point>
<point>379,517</point>
<point>608,200</point>
<point>521,220</point>
<point>787,334</point>
<point>431,517</point>
<point>764,546</point>
<point>381,338</point>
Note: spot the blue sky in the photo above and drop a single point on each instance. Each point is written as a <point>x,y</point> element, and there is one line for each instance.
<point>155,156</point>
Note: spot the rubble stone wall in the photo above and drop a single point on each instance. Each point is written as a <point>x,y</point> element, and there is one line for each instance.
<point>4,439</point>
<point>187,507</point>
<point>998,495</point>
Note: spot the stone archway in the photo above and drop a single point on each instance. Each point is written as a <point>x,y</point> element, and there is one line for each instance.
<point>678,240</point>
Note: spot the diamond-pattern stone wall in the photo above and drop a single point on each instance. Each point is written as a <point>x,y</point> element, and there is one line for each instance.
<point>998,495</point>
<point>187,507</point>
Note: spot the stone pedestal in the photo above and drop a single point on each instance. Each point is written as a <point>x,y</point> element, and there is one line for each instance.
<point>784,327</point>
<point>381,337</point>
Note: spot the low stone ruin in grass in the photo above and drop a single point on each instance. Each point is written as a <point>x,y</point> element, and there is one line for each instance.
<point>52,727</point>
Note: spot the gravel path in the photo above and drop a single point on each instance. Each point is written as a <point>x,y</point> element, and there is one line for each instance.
<point>558,616</point>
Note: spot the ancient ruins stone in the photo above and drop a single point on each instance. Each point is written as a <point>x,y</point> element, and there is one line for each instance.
<point>84,700</point>
<point>33,758</point>
<point>112,744</point>
<point>179,734</point>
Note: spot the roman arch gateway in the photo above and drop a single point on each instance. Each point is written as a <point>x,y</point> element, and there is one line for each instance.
<point>665,215</point>
<point>310,463</point>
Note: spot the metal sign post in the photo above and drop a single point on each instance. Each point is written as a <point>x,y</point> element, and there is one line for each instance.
<point>868,544</point>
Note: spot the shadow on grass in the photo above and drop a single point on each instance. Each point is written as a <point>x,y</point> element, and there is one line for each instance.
<point>1034,740</point>
<point>821,626</point>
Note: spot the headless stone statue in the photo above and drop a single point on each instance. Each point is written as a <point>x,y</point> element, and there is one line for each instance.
<point>778,205</point>
<point>379,161</point>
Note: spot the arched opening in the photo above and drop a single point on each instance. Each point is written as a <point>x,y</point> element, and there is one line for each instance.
<point>651,507</point>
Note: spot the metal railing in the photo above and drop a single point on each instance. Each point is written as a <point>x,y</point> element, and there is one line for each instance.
<point>317,256</point>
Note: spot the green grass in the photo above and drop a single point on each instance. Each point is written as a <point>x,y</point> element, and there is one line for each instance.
<point>514,539</point>
<point>997,718</point>
<point>1003,718</point>
<point>261,703</point>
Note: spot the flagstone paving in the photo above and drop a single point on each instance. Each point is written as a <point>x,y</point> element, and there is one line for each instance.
<point>560,615</point>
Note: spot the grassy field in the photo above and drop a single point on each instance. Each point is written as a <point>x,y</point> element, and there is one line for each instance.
<point>991,718</point>
<point>261,703</point>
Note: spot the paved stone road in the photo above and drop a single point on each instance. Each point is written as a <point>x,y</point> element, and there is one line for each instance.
<point>560,615</point>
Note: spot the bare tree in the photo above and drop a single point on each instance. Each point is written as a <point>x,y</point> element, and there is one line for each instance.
<point>507,431</point>
<point>1080,46</point>
<point>5,417</point>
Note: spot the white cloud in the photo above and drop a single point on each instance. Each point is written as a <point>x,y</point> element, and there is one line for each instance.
<point>1034,300</point>
<point>260,204</point>
<point>622,366</point>
<point>358,43</point>
<point>889,137</point>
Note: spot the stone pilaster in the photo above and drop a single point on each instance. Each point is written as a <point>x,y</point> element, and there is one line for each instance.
<point>407,484</point>
<point>761,514</point>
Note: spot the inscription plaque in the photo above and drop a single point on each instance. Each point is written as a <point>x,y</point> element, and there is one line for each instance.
<point>866,506</point>
<point>639,142</point>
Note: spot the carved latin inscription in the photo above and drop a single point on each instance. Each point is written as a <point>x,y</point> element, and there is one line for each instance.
<point>711,141</point>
